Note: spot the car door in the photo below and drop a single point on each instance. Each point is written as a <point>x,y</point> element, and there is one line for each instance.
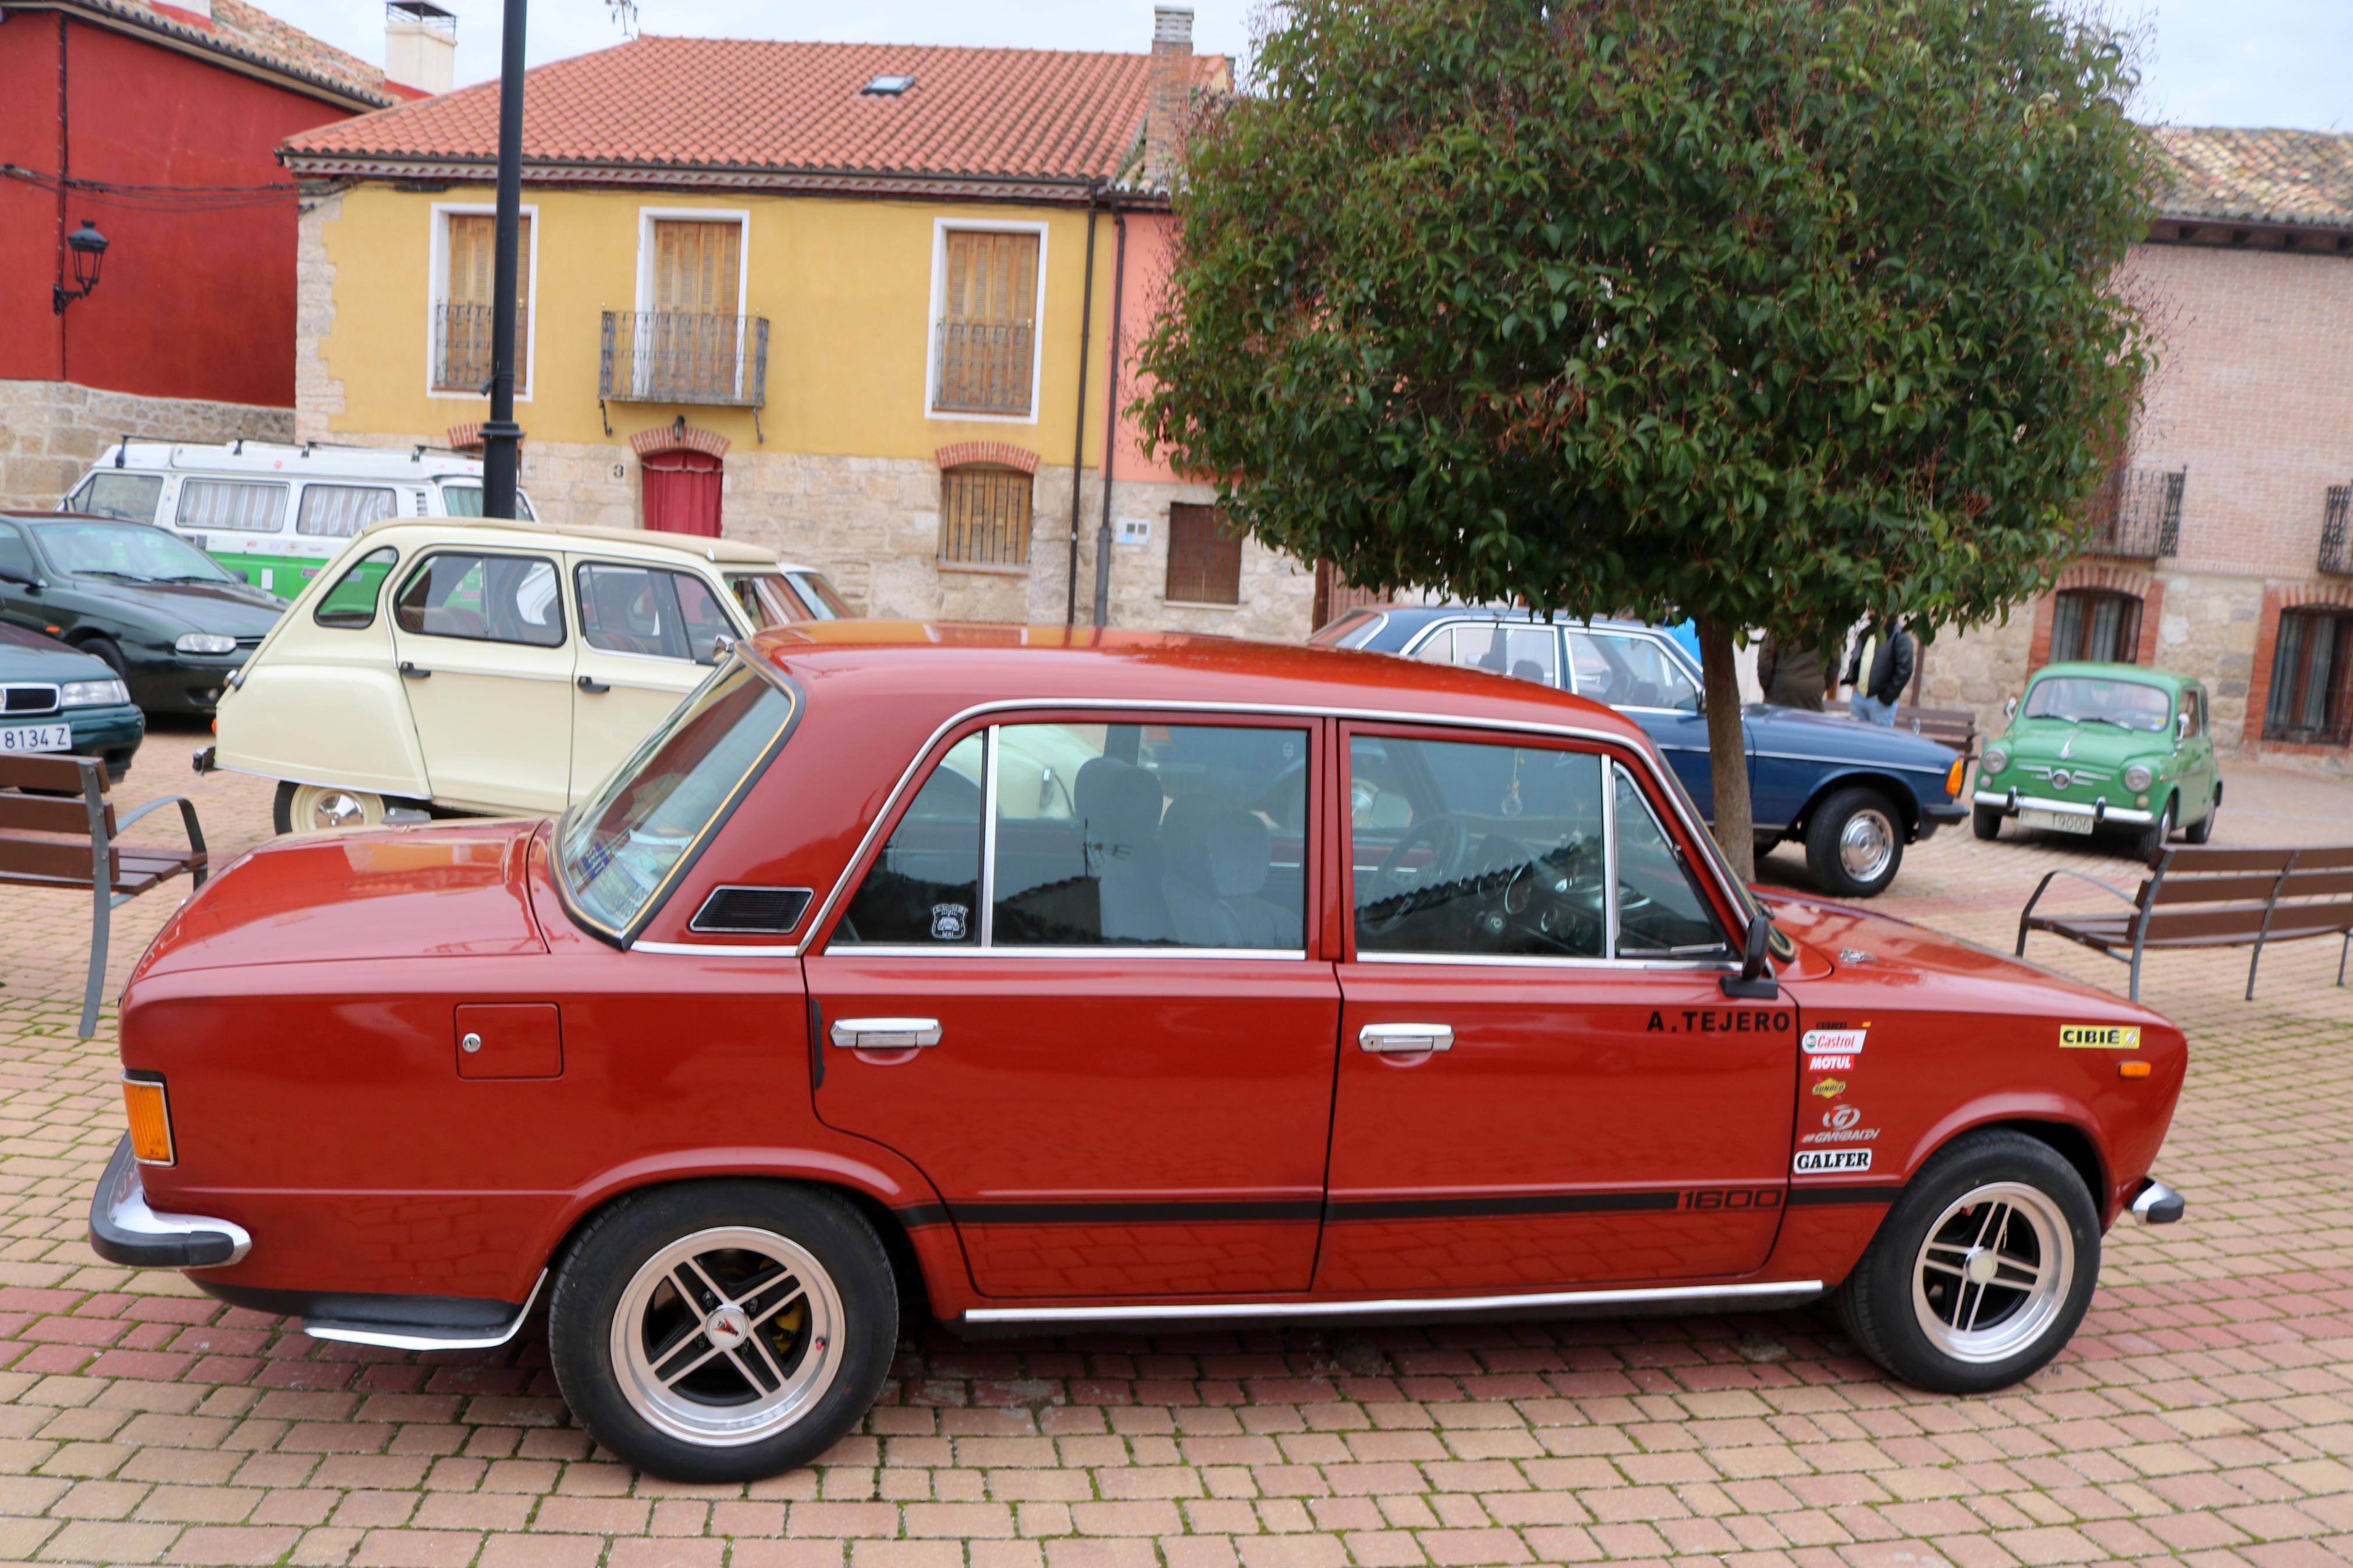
<point>1523,650</point>
<point>1540,1081</point>
<point>647,638</point>
<point>1634,673</point>
<point>2197,752</point>
<point>20,601</point>
<point>1080,988</point>
<point>485,656</point>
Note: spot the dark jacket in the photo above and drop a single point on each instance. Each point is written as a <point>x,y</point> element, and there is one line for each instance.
<point>1891,667</point>
<point>1791,677</point>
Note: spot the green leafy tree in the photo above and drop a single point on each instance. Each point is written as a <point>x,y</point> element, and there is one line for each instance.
<point>1775,313</point>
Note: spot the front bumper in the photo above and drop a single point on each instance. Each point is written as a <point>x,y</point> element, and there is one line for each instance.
<point>2099,812</point>
<point>2158,1203</point>
<point>113,733</point>
<point>1936,814</point>
<point>183,683</point>
<point>124,1229</point>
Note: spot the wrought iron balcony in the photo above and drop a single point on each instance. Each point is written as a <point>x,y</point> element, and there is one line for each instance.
<point>983,367</point>
<point>2336,547</point>
<point>2137,513</point>
<point>462,347</point>
<point>684,356</point>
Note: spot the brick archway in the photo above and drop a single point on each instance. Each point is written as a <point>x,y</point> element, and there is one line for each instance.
<point>2104,577</point>
<point>680,479</point>
<point>2297,597</point>
<point>985,454</point>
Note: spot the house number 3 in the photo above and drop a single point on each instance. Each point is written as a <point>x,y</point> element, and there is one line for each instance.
<point>620,470</point>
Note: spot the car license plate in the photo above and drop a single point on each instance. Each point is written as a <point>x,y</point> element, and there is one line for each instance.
<point>2055,821</point>
<point>38,738</point>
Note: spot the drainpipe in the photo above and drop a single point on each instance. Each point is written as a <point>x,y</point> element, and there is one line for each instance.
<point>65,170</point>
<point>1111,420</point>
<point>1078,419</point>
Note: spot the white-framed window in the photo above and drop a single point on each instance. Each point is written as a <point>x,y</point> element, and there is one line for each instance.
<point>691,328</point>
<point>460,302</point>
<point>983,345</point>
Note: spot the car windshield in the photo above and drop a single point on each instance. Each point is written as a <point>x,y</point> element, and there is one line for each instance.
<point>617,850</point>
<point>132,551</point>
<point>766,599</point>
<point>2087,700</point>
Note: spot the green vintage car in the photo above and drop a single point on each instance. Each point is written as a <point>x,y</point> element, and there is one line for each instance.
<point>2099,746</point>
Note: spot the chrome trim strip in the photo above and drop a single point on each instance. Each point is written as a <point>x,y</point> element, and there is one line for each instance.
<point>964,951</point>
<point>1522,960</point>
<point>714,950</point>
<point>1608,866</point>
<point>127,1209</point>
<point>1713,856</point>
<point>1860,762</point>
<point>2062,807</point>
<point>414,1339</point>
<point>985,917</point>
<point>1791,1290</point>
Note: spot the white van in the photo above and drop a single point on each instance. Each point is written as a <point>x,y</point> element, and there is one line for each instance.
<point>275,513</point>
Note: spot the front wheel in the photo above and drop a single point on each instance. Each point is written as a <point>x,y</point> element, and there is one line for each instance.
<point>315,808</point>
<point>2150,842</point>
<point>1983,1269</point>
<point>1855,844</point>
<point>2201,830</point>
<point>1985,821</point>
<point>722,1331</point>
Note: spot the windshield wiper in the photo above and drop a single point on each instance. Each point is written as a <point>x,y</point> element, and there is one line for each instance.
<point>2103,719</point>
<point>125,576</point>
<point>188,577</point>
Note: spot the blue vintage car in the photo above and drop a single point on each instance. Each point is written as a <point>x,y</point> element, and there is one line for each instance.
<point>1855,794</point>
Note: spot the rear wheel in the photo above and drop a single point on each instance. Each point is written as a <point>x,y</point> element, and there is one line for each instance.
<point>1985,821</point>
<point>1855,844</point>
<point>1983,1269</point>
<point>721,1332</point>
<point>316,808</point>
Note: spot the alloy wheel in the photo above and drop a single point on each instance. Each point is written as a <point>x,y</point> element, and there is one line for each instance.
<point>727,1336</point>
<point>1995,1270</point>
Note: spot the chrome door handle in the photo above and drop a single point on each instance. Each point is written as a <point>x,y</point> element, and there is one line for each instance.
<point>411,672</point>
<point>1402,1039</point>
<point>885,1033</point>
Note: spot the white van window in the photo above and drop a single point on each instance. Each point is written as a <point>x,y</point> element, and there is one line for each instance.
<point>489,598</point>
<point>466,500</point>
<point>338,512</point>
<point>232,506</point>
<point>131,496</point>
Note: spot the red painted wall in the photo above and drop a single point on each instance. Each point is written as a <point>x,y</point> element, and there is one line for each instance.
<point>191,304</point>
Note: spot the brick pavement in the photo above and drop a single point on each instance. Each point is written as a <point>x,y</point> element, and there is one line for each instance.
<point>2204,1414</point>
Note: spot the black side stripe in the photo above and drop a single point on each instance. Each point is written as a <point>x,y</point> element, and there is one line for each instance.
<point>1135,1213</point>
<point>918,1215</point>
<point>1515,1203</point>
<point>1820,1197</point>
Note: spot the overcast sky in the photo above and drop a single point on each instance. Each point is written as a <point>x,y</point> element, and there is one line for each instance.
<point>2206,62</point>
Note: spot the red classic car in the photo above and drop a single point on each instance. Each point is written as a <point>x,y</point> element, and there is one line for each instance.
<point>1089,979</point>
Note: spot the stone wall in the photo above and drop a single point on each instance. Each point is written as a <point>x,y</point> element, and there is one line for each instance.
<point>318,396</point>
<point>52,431</point>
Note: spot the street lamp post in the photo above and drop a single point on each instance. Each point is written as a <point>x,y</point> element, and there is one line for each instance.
<point>502,437</point>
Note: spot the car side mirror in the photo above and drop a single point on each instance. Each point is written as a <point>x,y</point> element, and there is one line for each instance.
<point>2181,727</point>
<point>2010,707</point>
<point>21,578</point>
<point>721,646</point>
<point>1754,983</point>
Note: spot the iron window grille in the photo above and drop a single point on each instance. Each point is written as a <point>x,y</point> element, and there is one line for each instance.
<point>984,517</point>
<point>2137,513</point>
<point>2335,548</point>
<point>983,367</point>
<point>1204,561</point>
<point>462,347</point>
<point>684,356</point>
<point>2311,698</point>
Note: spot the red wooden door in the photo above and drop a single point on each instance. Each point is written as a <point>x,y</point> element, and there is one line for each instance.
<point>681,492</point>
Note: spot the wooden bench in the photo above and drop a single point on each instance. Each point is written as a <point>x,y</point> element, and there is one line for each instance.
<point>58,829</point>
<point>1954,727</point>
<point>2198,897</point>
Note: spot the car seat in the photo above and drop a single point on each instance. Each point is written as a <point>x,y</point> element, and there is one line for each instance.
<point>1119,825</point>
<point>1219,859</point>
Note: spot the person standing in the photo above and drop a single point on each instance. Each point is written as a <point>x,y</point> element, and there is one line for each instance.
<point>1878,669</point>
<point>1791,677</point>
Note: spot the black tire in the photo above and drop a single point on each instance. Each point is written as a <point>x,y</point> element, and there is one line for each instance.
<point>2201,830</point>
<point>108,650</point>
<point>846,1338</point>
<point>2150,842</point>
<point>1985,821</point>
<point>1877,1304</point>
<point>281,809</point>
<point>1852,871</point>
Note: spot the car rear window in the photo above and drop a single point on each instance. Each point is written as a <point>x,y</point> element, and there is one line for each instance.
<point>617,851</point>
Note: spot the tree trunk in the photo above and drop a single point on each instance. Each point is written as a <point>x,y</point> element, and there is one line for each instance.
<point>1727,750</point>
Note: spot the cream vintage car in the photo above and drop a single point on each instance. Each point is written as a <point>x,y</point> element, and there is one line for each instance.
<point>491,667</point>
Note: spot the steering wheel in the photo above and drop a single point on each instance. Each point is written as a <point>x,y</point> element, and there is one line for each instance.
<point>1398,894</point>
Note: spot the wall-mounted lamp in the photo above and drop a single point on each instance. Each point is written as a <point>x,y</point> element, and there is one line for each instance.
<point>89,247</point>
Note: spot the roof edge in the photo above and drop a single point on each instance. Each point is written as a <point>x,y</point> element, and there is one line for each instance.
<point>139,22</point>
<point>1069,189</point>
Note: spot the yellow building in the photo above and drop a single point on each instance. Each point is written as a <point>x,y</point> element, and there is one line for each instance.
<point>854,302</point>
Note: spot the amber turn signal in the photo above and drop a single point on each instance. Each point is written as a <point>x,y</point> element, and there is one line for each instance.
<point>1953,775</point>
<point>2132,1070</point>
<point>151,1120</point>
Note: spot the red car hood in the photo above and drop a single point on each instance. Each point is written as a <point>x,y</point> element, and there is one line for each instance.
<point>424,892</point>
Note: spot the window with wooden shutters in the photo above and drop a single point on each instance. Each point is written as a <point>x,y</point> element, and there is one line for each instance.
<point>690,345</point>
<point>986,339</point>
<point>1205,562</point>
<point>461,319</point>
<point>984,517</point>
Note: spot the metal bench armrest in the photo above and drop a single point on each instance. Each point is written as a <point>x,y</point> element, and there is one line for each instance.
<point>2044,885</point>
<point>198,867</point>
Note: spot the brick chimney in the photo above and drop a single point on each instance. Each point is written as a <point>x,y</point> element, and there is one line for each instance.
<point>420,45</point>
<point>1171,103</point>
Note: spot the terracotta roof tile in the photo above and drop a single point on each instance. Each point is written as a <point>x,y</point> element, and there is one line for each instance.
<point>685,104</point>
<point>251,35</point>
<point>2303,178</point>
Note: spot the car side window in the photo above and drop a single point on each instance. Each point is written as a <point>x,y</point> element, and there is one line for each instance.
<point>108,494</point>
<point>15,553</point>
<point>1661,913</point>
<point>1150,835</point>
<point>925,889</point>
<point>1625,670</point>
<point>2193,709</point>
<point>486,598</point>
<point>1525,652</point>
<point>338,512</point>
<point>232,506</point>
<point>1477,848</point>
<point>350,604</point>
<point>649,611</point>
